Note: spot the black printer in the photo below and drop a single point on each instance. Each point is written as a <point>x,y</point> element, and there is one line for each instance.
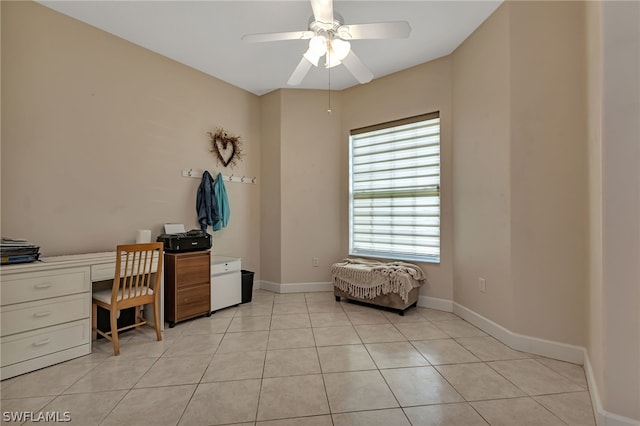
<point>185,241</point>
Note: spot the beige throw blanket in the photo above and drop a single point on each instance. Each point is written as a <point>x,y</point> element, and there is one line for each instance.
<point>367,279</point>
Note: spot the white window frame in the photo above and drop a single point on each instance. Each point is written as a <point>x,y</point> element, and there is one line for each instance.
<point>397,185</point>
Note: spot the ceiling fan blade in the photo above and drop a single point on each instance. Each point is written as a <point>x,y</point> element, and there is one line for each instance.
<point>300,72</point>
<point>291,35</point>
<point>357,68</point>
<point>322,10</point>
<point>394,29</point>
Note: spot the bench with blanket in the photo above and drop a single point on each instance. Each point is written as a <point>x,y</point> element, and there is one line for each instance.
<point>392,285</point>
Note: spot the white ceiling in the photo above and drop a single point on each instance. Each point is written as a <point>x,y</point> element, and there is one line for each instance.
<point>206,35</point>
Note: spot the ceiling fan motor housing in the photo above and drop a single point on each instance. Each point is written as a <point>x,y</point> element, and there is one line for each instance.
<point>327,29</point>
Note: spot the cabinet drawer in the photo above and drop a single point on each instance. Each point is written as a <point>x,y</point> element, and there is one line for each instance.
<point>33,344</point>
<point>192,270</point>
<point>220,268</point>
<point>17,288</point>
<point>43,313</point>
<point>192,301</point>
<point>226,290</point>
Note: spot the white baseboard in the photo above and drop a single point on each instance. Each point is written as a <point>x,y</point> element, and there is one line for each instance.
<point>295,287</point>
<point>534,345</point>
<point>598,411</point>
<point>603,417</point>
<point>268,286</point>
<point>435,303</point>
<point>520,342</point>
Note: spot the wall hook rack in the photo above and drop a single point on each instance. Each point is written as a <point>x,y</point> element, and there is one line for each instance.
<point>231,178</point>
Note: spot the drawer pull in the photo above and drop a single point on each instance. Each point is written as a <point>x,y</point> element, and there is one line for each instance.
<point>42,314</point>
<point>42,342</point>
<point>43,285</point>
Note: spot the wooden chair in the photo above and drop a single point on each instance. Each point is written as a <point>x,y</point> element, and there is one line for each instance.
<point>133,286</point>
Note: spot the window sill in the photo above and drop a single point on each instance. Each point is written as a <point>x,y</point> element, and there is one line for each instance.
<point>390,257</point>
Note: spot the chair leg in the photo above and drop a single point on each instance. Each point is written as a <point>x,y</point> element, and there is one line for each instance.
<point>114,331</point>
<point>137,317</point>
<point>94,321</point>
<point>156,320</point>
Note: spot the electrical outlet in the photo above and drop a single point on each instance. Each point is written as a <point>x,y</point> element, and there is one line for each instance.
<point>316,262</point>
<point>482,285</point>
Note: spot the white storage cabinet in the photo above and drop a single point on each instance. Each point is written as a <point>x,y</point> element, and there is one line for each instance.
<point>226,282</point>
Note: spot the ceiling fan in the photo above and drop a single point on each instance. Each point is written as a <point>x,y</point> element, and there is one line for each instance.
<point>328,36</point>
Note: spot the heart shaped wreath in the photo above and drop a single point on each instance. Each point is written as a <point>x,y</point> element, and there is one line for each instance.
<point>227,148</point>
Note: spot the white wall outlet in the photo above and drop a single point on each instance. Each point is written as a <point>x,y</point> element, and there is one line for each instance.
<point>482,285</point>
<point>315,262</point>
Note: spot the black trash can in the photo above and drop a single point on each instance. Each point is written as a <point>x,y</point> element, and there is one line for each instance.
<point>247,285</point>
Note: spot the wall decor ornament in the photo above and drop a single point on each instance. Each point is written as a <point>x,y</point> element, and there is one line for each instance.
<point>226,148</point>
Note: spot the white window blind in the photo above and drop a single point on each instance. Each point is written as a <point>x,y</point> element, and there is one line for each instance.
<point>395,189</point>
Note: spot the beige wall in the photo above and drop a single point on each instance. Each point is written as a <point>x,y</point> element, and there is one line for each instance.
<point>481,168</point>
<point>301,170</point>
<point>595,319</point>
<point>418,90</point>
<point>549,201</point>
<point>310,179</point>
<point>519,170</point>
<point>570,74</point>
<point>620,162</point>
<point>270,207</point>
<point>97,130</point>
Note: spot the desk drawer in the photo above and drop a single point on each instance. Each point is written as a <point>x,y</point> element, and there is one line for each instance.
<point>220,268</point>
<point>24,346</point>
<point>43,313</point>
<point>30,286</point>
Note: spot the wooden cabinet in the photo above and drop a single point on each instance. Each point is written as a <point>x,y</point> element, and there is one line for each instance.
<point>44,317</point>
<point>187,285</point>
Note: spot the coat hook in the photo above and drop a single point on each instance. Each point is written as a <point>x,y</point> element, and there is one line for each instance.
<point>190,170</point>
<point>253,180</point>
<point>242,179</point>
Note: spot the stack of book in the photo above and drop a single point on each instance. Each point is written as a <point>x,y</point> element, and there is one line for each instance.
<point>17,251</point>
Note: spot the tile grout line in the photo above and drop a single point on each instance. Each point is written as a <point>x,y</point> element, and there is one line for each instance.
<point>324,383</point>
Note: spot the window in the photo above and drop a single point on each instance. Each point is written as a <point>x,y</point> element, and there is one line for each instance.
<point>395,190</point>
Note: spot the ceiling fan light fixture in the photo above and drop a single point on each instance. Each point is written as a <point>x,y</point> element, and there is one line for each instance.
<point>317,49</point>
<point>340,48</point>
<point>337,51</point>
<point>318,45</point>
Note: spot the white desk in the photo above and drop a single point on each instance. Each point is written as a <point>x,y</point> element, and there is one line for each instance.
<point>45,310</point>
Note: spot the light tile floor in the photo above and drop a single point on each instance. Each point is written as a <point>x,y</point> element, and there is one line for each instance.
<point>305,359</point>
